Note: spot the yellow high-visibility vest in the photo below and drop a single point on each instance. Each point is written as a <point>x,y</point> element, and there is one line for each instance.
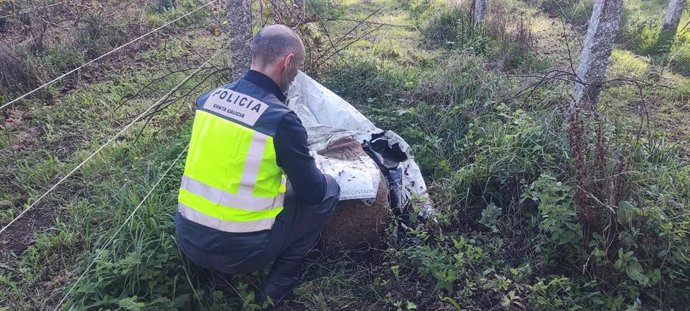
<point>231,180</point>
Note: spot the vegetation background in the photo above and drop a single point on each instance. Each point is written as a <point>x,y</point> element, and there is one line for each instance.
<point>485,109</point>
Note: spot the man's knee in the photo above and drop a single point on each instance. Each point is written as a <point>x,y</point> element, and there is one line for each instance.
<point>332,187</point>
<point>332,194</point>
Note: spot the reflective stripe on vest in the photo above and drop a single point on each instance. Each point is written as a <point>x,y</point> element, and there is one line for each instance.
<point>242,198</point>
<point>224,225</point>
<point>231,181</point>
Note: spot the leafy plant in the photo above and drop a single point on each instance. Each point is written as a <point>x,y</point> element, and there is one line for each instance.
<point>490,216</point>
<point>557,215</point>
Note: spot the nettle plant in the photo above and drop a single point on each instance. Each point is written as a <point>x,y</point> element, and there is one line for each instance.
<point>556,216</point>
<point>448,262</point>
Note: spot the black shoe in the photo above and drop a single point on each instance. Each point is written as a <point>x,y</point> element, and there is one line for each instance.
<point>278,289</point>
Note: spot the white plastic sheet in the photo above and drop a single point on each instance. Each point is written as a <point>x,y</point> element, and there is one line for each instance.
<point>358,178</point>
<point>327,117</point>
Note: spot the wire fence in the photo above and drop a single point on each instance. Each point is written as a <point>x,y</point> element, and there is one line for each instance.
<point>57,29</point>
<point>104,55</point>
<point>153,109</point>
<point>105,246</point>
<point>122,131</point>
<point>33,9</point>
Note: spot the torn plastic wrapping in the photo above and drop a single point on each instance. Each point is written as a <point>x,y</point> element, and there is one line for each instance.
<point>327,117</point>
<point>358,178</point>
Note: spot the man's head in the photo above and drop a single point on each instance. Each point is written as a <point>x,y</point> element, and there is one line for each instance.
<point>278,53</point>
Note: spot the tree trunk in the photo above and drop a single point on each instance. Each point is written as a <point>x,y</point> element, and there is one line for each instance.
<point>301,8</point>
<point>240,30</point>
<point>668,32</point>
<point>601,33</point>
<point>479,11</point>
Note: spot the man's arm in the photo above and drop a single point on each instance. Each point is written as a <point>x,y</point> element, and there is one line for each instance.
<point>292,155</point>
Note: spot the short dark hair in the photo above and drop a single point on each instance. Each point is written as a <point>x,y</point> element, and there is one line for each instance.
<point>272,42</point>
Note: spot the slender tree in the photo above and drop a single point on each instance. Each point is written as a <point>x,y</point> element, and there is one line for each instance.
<point>594,59</point>
<point>591,72</point>
<point>668,32</point>
<point>479,11</point>
<point>240,31</point>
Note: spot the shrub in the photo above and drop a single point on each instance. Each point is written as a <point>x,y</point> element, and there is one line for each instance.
<point>508,172</point>
<point>577,12</point>
<point>564,293</point>
<point>364,81</point>
<point>680,57</point>
<point>8,9</point>
<point>15,75</point>
<point>61,58</point>
<point>453,28</point>
<point>98,37</point>
<point>640,36</point>
<point>446,264</point>
<point>459,80</point>
<point>557,217</point>
<point>508,44</point>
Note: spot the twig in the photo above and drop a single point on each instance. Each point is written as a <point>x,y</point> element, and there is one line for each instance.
<point>353,41</point>
<point>369,22</point>
<point>128,97</point>
<point>171,101</point>
<point>328,35</point>
<point>319,59</point>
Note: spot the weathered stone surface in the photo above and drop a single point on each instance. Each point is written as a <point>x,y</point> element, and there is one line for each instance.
<point>355,223</point>
<point>594,59</point>
<point>239,16</point>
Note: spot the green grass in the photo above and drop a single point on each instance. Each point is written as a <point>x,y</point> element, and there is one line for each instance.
<point>48,141</point>
<point>500,169</point>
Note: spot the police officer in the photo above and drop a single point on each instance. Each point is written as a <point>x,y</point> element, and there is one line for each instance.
<point>236,212</point>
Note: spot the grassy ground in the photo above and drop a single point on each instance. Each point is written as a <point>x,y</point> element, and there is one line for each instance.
<point>46,138</point>
<point>499,166</point>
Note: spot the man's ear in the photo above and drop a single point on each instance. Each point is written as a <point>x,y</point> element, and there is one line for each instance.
<point>288,61</point>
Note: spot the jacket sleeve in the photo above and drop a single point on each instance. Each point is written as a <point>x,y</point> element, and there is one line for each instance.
<point>292,155</point>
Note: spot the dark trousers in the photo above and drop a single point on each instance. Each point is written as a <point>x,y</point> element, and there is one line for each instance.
<point>294,233</point>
